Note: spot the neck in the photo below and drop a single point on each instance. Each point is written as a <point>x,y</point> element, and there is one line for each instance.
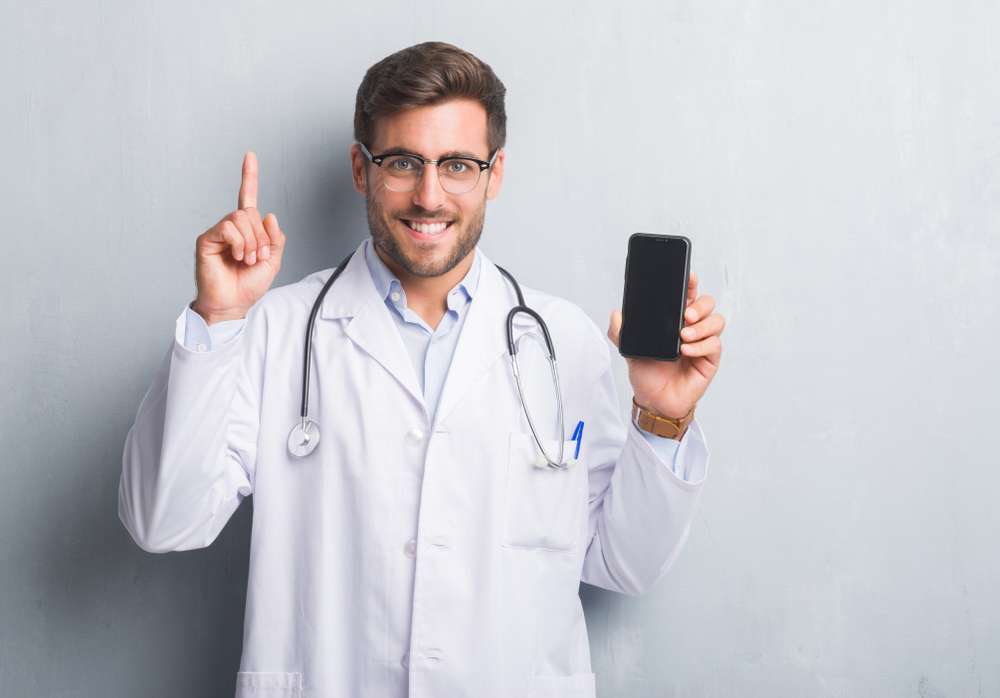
<point>427,296</point>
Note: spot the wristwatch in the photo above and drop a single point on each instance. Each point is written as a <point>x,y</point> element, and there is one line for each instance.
<point>661,426</point>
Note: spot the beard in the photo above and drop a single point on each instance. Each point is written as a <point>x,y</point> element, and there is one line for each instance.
<point>386,234</point>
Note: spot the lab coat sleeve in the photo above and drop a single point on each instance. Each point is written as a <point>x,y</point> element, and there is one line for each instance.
<point>640,505</point>
<point>189,456</point>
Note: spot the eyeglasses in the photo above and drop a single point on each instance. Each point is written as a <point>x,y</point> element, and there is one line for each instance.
<point>402,171</point>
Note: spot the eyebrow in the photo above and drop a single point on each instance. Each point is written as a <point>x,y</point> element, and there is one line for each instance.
<point>396,150</point>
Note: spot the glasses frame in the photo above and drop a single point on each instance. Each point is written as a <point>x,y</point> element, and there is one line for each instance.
<point>377,161</point>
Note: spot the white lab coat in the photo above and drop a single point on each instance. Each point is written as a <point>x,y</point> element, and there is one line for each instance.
<point>404,558</point>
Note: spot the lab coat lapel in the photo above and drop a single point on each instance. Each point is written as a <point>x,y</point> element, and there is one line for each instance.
<point>483,338</point>
<point>371,327</point>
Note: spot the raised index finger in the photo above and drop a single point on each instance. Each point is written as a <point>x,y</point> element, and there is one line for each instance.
<point>248,187</point>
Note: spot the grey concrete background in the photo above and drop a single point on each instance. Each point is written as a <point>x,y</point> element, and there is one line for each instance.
<point>836,164</point>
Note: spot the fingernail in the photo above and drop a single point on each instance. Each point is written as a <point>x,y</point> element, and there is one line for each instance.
<point>265,252</point>
<point>252,259</point>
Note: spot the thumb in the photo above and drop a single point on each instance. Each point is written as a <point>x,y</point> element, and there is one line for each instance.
<point>615,326</point>
<point>276,236</point>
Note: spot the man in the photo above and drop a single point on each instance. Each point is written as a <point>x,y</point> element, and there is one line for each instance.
<point>419,549</point>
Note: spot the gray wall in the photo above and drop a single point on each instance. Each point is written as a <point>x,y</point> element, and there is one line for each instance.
<point>837,166</point>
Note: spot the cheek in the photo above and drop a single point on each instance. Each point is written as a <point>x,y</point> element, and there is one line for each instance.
<point>384,209</point>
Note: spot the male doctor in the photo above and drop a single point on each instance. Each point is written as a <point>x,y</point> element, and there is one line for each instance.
<point>420,550</point>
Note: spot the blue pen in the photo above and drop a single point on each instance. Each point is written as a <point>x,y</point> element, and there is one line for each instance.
<point>578,437</point>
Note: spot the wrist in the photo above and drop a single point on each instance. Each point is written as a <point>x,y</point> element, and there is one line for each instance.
<point>668,427</point>
<point>664,414</point>
<point>212,317</point>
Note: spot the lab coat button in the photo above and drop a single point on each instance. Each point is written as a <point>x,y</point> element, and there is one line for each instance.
<point>410,548</point>
<point>416,434</point>
<point>201,347</point>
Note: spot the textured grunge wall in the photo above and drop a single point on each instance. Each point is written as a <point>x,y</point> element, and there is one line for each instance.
<point>836,164</point>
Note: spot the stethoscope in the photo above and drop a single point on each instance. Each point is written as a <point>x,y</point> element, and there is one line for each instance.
<point>304,437</point>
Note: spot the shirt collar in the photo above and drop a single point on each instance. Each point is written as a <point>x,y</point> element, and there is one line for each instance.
<point>385,280</point>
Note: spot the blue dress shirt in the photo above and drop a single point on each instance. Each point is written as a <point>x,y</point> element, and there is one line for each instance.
<point>430,349</point>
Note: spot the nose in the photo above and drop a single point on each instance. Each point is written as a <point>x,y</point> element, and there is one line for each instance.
<point>429,195</point>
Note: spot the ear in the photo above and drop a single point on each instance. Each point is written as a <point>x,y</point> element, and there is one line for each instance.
<point>358,166</point>
<point>496,175</point>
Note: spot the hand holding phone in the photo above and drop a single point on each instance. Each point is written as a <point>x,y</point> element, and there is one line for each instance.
<point>668,375</point>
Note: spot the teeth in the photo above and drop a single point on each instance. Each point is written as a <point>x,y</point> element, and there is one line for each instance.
<point>427,228</point>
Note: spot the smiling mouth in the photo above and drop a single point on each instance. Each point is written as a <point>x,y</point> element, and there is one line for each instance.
<point>427,228</point>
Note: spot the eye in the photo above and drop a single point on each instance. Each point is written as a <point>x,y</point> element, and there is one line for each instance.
<point>457,166</point>
<point>403,164</point>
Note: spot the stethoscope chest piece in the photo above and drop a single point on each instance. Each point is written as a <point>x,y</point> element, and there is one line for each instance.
<point>303,438</point>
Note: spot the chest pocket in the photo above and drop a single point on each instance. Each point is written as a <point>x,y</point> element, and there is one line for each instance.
<point>543,504</point>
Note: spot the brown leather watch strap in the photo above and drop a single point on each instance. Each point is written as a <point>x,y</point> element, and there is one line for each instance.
<point>657,424</point>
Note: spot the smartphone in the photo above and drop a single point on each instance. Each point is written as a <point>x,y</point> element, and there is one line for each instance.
<point>656,279</point>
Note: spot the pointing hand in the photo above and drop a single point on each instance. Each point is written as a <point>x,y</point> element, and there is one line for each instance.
<point>237,259</point>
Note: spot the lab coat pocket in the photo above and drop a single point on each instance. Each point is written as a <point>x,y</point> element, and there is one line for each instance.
<point>543,504</point>
<point>268,684</point>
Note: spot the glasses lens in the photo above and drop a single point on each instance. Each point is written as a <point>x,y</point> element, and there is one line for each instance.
<point>401,172</point>
<point>458,175</point>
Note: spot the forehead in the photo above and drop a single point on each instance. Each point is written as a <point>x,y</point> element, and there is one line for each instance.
<point>454,125</point>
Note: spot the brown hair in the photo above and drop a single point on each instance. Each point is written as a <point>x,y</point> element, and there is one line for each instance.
<point>427,74</point>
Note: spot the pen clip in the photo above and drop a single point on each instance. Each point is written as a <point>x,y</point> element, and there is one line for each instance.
<point>578,437</point>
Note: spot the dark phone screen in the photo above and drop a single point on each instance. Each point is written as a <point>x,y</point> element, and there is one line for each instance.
<point>655,294</point>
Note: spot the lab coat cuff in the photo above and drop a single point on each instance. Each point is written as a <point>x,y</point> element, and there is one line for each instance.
<point>193,336</point>
<point>665,447</point>
<point>689,465</point>
<point>200,337</point>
